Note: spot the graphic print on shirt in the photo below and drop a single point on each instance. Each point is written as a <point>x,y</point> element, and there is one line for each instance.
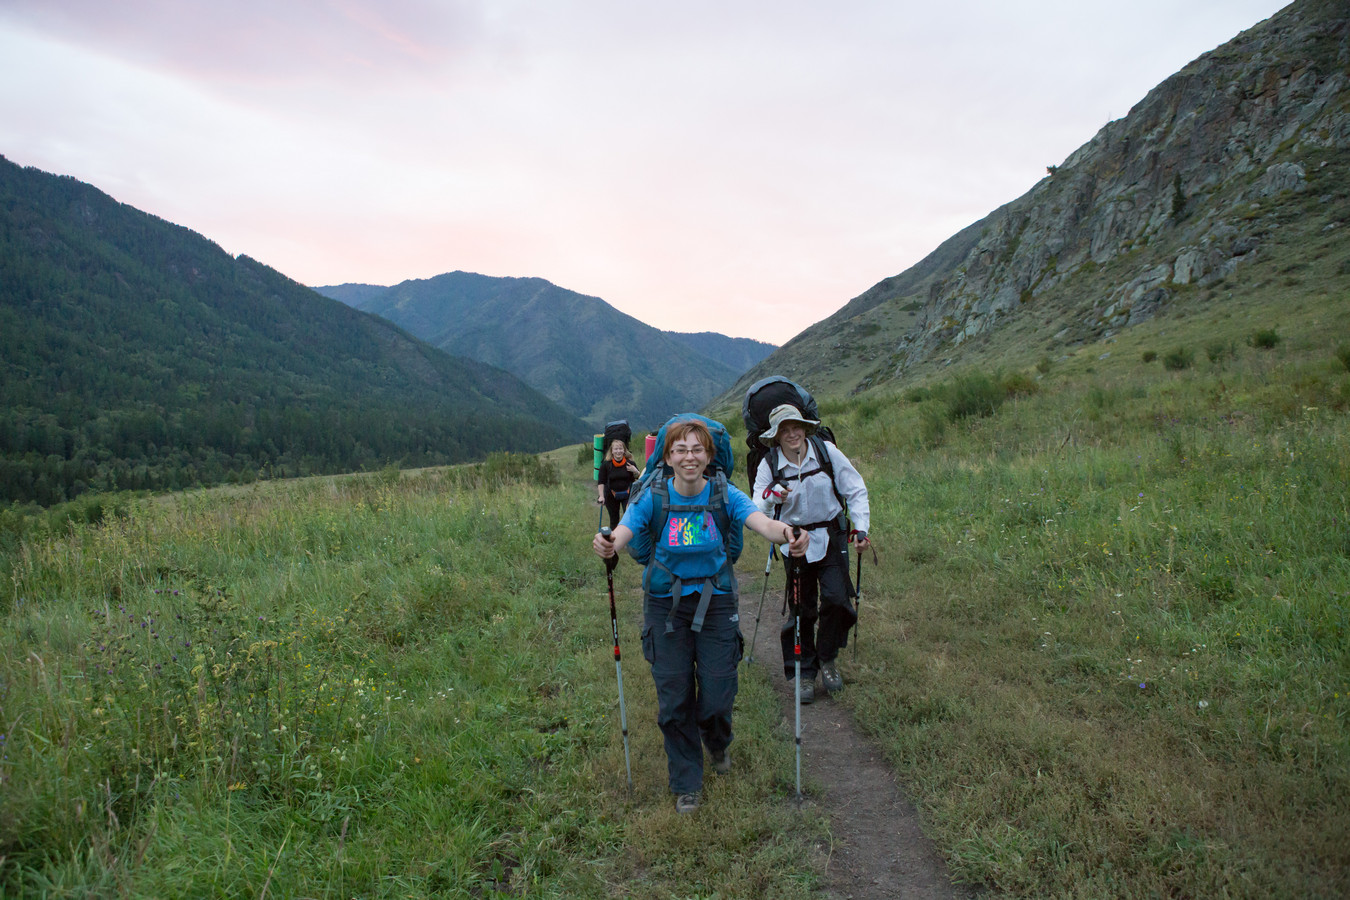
<point>694,532</point>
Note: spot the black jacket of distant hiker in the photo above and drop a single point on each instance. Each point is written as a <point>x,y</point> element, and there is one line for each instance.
<point>616,481</point>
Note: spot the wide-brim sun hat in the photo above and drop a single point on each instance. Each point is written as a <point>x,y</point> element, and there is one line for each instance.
<point>785,413</point>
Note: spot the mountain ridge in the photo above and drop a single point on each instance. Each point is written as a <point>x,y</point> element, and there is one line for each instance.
<point>584,354</point>
<point>1161,204</point>
<point>135,353</point>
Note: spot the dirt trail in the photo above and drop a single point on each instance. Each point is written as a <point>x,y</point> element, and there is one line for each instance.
<point>879,851</point>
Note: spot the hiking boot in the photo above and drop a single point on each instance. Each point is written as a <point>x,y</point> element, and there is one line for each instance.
<point>808,690</point>
<point>686,803</point>
<point>721,760</point>
<point>830,677</point>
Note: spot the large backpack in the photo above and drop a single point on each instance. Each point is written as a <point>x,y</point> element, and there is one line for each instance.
<point>655,479</point>
<point>617,431</point>
<point>760,400</point>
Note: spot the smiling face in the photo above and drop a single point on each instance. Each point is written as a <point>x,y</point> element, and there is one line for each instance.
<point>688,451</point>
<point>792,438</point>
<point>617,450</point>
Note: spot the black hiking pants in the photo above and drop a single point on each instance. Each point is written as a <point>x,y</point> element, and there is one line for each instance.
<point>826,608</point>
<point>615,506</point>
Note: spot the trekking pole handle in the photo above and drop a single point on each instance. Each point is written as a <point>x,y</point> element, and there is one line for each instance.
<point>792,566</point>
<point>610,561</point>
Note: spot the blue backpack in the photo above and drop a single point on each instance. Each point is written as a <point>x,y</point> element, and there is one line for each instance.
<point>655,479</point>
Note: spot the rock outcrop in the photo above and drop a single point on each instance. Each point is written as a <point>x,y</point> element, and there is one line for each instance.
<point>1168,201</point>
<point>1175,183</point>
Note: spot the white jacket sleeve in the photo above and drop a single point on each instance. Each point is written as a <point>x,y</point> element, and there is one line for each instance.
<point>851,486</point>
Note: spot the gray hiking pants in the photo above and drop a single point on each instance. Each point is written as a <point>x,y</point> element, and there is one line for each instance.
<point>696,679</point>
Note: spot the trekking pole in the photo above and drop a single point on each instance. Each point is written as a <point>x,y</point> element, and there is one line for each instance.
<point>610,563</point>
<point>796,591</point>
<point>858,606</point>
<point>768,564</point>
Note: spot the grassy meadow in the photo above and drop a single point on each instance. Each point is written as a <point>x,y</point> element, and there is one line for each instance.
<point>1107,648</point>
<point>1106,651</point>
<point>375,686</point>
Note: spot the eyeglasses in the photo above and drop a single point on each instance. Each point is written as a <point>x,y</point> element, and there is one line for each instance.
<point>681,452</point>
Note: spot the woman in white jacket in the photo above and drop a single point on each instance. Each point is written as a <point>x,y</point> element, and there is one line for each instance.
<point>795,485</point>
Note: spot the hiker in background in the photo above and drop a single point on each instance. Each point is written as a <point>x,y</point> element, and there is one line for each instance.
<point>692,642</point>
<point>794,485</point>
<point>617,474</point>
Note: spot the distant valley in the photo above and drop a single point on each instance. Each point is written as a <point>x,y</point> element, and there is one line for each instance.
<point>136,354</point>
<point>597,362</point>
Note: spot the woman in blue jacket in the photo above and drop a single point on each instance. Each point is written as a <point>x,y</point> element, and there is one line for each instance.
<point>693,642</point>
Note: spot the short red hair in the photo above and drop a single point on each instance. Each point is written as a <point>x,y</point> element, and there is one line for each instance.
<point>683,430</point>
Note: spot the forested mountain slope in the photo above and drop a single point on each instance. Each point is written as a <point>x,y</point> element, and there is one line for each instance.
<point>135,353</point>
<point>595,361</point>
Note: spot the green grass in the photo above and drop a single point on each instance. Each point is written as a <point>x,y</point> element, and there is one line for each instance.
<point>1105,651</point>
<point>367,686</point>
<point>1108,646</point>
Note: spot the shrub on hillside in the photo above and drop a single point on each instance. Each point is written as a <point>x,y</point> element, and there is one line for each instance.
<point>1043,365</point>
<point>867,410</point>
<point>975,394</point>
<point>1018,384</point>
<point>1178,359</point>
<point>1343,354</point>
<point>932,423</point>
<point>29,522</point>
<point>1218,350</point>
<point>501,469</point>
<point>1263,339</point>
<point>1149,356</point>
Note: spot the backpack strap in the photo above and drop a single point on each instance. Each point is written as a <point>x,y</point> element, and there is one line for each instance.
<point>661,512</point>
<point>823,464</point>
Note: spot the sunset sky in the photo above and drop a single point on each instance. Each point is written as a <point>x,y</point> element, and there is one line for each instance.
<point>742,167</point>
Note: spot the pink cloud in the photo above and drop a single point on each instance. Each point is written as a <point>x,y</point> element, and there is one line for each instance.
<point>251,41</point>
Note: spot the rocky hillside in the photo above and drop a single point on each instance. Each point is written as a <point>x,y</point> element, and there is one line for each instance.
<point>1159,206</point>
